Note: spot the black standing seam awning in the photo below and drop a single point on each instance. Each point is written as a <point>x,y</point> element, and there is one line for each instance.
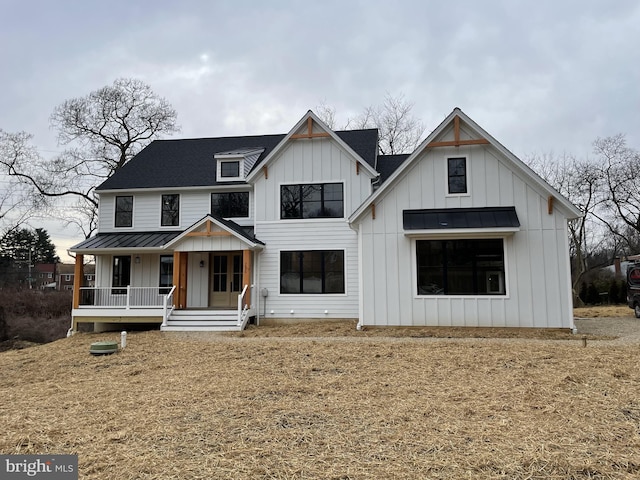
<point>453,218</point>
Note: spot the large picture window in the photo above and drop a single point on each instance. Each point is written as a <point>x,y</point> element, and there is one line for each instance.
<point>321,200</point>
<point>170,210</point>
<point>460,267</point>
<point>312,271</point>
<point>230,204</point>
<point>121,274</point>
<point>124,211</point>
<point>166,274</point>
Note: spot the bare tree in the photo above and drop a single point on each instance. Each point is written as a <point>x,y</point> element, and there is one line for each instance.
<point>103,131</point>
<point>580,181</point>
<point>16,203</point>
<point>620,167</point>
<point>398,130</point>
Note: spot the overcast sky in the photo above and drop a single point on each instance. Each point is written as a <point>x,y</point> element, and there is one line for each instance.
<point>540,76</point>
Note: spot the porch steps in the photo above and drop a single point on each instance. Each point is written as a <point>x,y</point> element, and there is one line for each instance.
<point>202,321</point>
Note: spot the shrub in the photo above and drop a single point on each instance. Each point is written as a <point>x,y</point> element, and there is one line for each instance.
<point>35,315</point>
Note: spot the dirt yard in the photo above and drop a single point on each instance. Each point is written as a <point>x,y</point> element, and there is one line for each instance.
<point>367,406</point>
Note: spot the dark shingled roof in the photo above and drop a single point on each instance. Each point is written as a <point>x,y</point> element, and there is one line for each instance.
<point>444,218</point>
<point>387,164</point>
<point>190,162</point>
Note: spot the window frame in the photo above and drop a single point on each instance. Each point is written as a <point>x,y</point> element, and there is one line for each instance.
<point>231,193</point>
<point>504,280</point>
<point>301,272</point>
<point>449,176</point>
<point>301,201</point>
<point>175,212</point>
<point>116,212</point>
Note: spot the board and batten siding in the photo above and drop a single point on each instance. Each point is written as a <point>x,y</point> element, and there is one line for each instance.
<point>536,257</point>
<point>308,235</point>
<point>143,274</point>
<point>194,205</point>
<point>319,160</point>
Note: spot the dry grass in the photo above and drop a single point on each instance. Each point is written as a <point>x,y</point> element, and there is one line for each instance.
<point>173,406</point>
<point>612,311</point>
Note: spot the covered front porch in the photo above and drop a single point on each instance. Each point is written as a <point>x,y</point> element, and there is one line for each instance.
<point>200,279</point>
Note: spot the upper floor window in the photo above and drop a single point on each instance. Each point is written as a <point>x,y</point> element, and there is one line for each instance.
<point>170,210</point>
<point>320,200</point>
<point>124,211</point>
<point>230,169</point>
<point>230,204</point>
<point>457,175</point>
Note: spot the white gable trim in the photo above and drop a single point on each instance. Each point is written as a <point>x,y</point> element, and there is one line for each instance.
<point>571,210</point>
<point>364,166</point>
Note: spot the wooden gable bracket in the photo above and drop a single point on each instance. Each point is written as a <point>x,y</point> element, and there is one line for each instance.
<point>373,211</point>
<point>456,142</point>
<point>550,204</point>
<point>310,133</point>
<point>357,168</point>
<point>209,232</point>
<point>265,170</point>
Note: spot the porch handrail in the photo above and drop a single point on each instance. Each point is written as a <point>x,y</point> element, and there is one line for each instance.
<point>242,309</point>
<point>123,297</point>
<point>168,306</point>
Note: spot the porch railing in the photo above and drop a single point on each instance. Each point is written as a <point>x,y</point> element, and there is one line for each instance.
<point>125,297</point>
<point>243,308</point>
<point>168,306</point>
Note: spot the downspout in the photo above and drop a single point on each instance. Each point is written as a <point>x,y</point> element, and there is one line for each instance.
<point>360,292</point>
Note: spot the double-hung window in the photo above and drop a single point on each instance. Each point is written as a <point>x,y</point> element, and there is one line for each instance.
<point>124,211</point>
<point>170,210</point>
<point>460,267</point>
<point>316,200</point>
<point>312,271</point>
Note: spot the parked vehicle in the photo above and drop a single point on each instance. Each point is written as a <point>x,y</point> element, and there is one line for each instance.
<point>633,288</point>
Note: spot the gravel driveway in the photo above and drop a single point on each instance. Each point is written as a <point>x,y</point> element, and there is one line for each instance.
<point>627,329</point>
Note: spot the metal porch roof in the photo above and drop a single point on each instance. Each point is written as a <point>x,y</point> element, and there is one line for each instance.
<point>448,218</point>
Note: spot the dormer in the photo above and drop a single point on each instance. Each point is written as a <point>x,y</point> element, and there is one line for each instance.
<point>233,165</point>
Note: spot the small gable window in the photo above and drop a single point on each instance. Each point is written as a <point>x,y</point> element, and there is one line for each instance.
<point>230,169</point>
<point>457,175</point>
<point>124,211</point>
<point>170,210</point>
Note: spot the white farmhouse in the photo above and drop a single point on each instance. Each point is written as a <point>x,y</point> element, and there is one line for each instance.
<point>205,234</point>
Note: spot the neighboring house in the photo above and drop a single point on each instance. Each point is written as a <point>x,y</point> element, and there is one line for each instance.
<point>205,233</point>
<point>43,276</point>
<point>65,276</point>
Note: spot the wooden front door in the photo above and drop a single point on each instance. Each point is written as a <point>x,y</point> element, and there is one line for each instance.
<point>226,279</point>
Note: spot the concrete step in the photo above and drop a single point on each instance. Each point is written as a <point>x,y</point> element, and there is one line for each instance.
<point>200,328</point>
